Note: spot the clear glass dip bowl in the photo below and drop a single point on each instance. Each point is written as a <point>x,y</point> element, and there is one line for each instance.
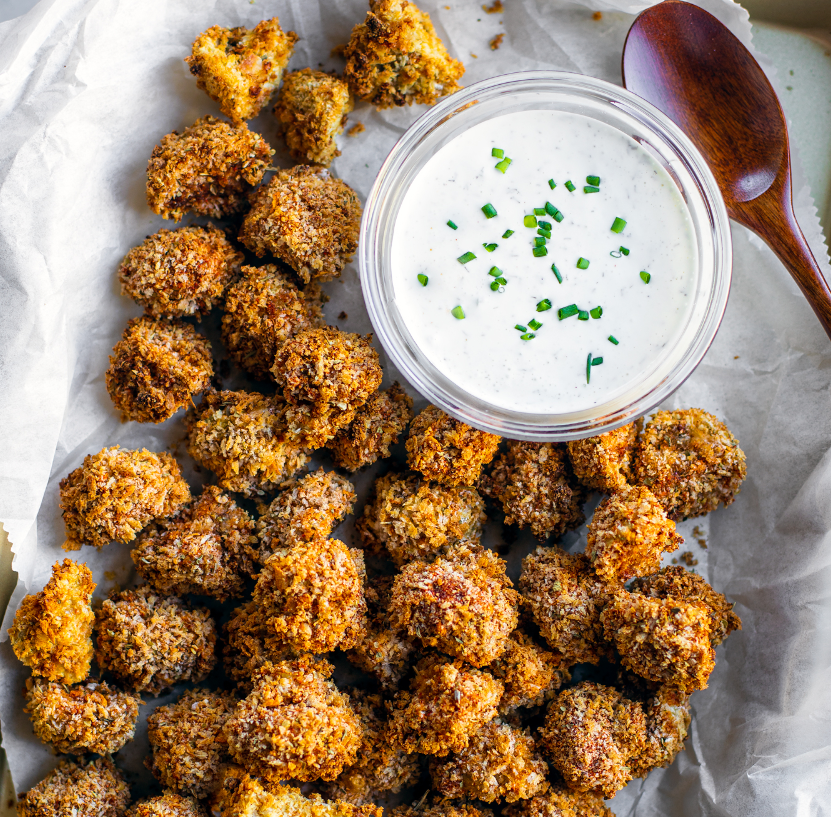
<point>604,102</point>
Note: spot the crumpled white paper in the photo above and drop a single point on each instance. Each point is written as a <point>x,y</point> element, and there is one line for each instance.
<point>88,87</point>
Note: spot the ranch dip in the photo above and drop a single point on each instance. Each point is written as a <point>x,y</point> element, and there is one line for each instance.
<point>502,325</point>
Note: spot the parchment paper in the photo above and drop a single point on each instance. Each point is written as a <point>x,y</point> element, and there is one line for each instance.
<point>88,87</point>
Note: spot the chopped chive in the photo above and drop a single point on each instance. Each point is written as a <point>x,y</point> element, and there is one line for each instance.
<point>615,254</point>
<point>497,153</point>
<point>489,210</point>
<point>495,272</point>
<point>521,327</point>
<point>596,312</point>
<point>557,273</point>
<point>452,225</point>
<point>596,361</point>
<point>534,324</point>
<point>624,250</point>
<point>589,368</point>
<point>558,216</point>
<point>507,233</point>
<point>544,305</point>
<point>504,164</point>
<point>458,313</point>
<point>423,279</point>
<point>593,180</point>
<point>613,339</point>
<point>468,256</point>
<point>582,263</point>
<point>539,211</point>
<point>582,315</point>
<point>530,221</point>
<point>617,225</point>
<point>552,184</point>
<point>589,188</point>
<point>544,233</point>
<point>544,225</point>
<point>539,241</point>
<point>494,286</point>
<point>550,209</point>
<point>645,276</point>
<point>502,281</point>
<point>540,252</point>
<point>570,187</point>
<point>490,247</point>
<point>567,311</point>
<point>527,336</point>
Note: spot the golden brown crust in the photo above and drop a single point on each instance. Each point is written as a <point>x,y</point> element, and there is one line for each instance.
<point>442,809</point>
<point>560,801</point>
<point>312,108</point>
<point>667,722</point>
<point>240,69</point>
<point>168,804</point>
<point>447,450</point>
<point>116,493</point>
<point>604,463</point>
<point>207,169</point>
<point>395,57</point>
<point>307,218</point>
<point>52,630</point>
<point>156,368</point>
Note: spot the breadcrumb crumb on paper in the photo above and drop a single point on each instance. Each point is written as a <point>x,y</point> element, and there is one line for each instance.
<point>604,463</point>
<point>560,801</point>
<point>168,804</point>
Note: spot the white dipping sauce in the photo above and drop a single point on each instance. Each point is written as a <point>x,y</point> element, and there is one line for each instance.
<point>483,353</point>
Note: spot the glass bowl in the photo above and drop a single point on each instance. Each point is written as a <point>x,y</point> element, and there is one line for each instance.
<point>604,102</point>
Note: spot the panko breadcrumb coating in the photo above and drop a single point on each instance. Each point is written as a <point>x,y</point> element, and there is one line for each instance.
<point>156,368</point>
<point>116,493</point>
<point>295,724</point>
<point>560,801</point>
<point>448,703</point>
<point>307,218</point>
<point>305,509</point>
<point>443,809</point>
<point>52,630</point>
<point>667,722</point>
<point>534,484</point>
<point>464,607</point>
<point>377,426</point>
<point>690,461</point>
<point>186,741</point>
<point>415,519</point>
<point>313,595</point>
<point>566,599</point>
<point>240,69</point>
<point>88,717</point>
<point>150,641</point>
<point>593,736</point>
<point>395,57</point>
<point>180,273</point>
<point>662,640</point>
<point>312,107</point>
<point>96,789</point>
<point>604,463</point>
<point>207,549</point>
<point>262,311</point>
<point>208,169</point>
<point>447,450</point>
<point>168,804</point>
<point>627,535</point>
<point>499,764</point>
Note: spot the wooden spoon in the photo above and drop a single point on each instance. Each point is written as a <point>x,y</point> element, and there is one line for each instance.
<point>690,66</point>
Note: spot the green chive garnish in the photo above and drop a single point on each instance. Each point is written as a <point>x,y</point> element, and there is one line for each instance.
<point>570,187</point>
<point>624,250</point>
<point>591,189</point>
<point>489,210</point>
<point>528,336</point>
<point>504,164</point>
<point>617,225</point>
<point>615,254</point>
<point>452,225</point>
<point>458,313</point>
<point>645,276</point>
<point>540,252</point>
<point>423,279</point>
<point>507,233</point>
<point>490,247</point>
<point>552,184</point>
<point>544,305</point>
<point>582,263</point>
<point>593,180</point>
<point>589,368</point>
<point>544,225</point>
<point>613,339</point>
<point>494,286</point>
<point>582,315</point>
<point>468,256</point>
<point>502,281</point>
<point>534,324</point>
<point>497,153</point>
<point>530,221</point>
<point>550,209</point>
<point>596,361</point>
<point>596,312</point>
<point>544,233</point>
<point>558,216</point>
<point>521,327</point>
<point>557,273</point>
<point>567,311</point>
<point>495,272</point>
<point>539,211</point>
<point>539,241</point>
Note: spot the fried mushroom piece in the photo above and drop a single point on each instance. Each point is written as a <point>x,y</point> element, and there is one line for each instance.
<point>690,461</point>
<point>150,642</point>
<point>593,736</point>
<point>262,311</point>
<point>240,69</point>
<point>188,751</point>
<point>560,801</point>
<point>156,368</point>
<point>604,463</point>
<point>294,724</point>
<point>307,218</point>
<point>499,764</point>
<point>447,450</point>
<point>116,493</point>
<point>312,107</point>
<point>627,535</point>
<point>464,607</point>
<point>205,549</point>
<point>565,599</point>
<point>168,804</point>
<point>377,426</point>
<point>96,788</point>
<point>534,484</point>
<point>88,717</point>
<point>52,630</point>
<point>667,722</point>
<point>305,509</point>
<point>416,520</point>
<point>208,169</point>
<point>446,705</point>
<point>395,57</point>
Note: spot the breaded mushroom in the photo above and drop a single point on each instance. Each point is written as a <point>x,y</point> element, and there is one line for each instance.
<point>307,218</point>
<point>96,789</point>
<point>150,642</point>
<point>207,549</point>
<point>312,107</point>
<point>667,722</point>
<point>447,450</point>
<point>305,509</point>
<point>180,273</point>
<point>168,804</point>
<point>566,599</point>
<point>188,749</point>
<point>499,764</point>
<point>295,724</point>
<point>690,461</point>
<point>208,169</point>
<point>560,801</point>
<point>604,462</point>
<point>377,426</point>
<point>593,736</point>
<point>87,717</point>
<point>156,368</point>
<point>535,486</point>
<point>627,535</point>
<point>395,57</point>
<point>465,608</point>
<point>52,630</point>
<point>240,69</point>
<point>262,311</point>
<point>116,493</point>
<point>442,809</point>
